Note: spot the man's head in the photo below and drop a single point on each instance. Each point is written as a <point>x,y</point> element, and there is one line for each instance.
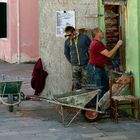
<point>70,31</point>
<point>97,33</point>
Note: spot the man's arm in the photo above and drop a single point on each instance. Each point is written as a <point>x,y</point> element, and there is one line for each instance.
<point>110,53</point>
<point>67,52</point>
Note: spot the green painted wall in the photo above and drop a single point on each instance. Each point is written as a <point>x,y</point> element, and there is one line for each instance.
<point>138,92</point>
<point>101,15</point>
<point>133,41</point>
<point>101,21</point>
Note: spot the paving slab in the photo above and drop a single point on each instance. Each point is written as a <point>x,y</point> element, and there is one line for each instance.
<point>120,137</point>
<point>91,135</point>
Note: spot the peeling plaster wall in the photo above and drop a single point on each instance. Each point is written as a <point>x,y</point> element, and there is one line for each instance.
<point>51,47</point>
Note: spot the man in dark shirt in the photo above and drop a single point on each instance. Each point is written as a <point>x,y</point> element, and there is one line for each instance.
<point>76,51</point>
<point>98,58</point>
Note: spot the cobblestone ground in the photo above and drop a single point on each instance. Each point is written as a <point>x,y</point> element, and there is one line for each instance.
<point>38,120</point>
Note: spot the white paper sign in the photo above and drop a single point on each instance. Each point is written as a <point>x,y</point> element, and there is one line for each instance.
<point>64,18</point>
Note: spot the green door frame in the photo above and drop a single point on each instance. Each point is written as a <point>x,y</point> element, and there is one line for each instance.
<point>101,21</point>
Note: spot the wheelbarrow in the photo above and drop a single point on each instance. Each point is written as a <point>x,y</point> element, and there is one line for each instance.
<point>10,94</point>
<point>73,102</point>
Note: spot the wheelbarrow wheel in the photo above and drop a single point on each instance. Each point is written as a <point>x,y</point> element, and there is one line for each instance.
<point>91,116</point>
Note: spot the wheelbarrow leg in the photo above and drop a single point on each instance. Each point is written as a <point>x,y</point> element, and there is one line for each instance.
<point>74,117</point>
<point>10,101</point>
<point>97,102</point>
<point>61,112</point>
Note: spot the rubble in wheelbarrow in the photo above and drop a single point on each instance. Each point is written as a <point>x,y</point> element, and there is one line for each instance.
<point>71,93</point>
<point>85,88</point>
<point>77,98</point>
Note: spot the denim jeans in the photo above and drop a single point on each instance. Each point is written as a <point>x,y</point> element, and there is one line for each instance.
<point>90,73</point>
<point>99,77</point>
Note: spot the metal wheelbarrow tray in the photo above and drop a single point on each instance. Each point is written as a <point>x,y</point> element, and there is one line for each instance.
<point>75,102</point>
<point>11,91</point>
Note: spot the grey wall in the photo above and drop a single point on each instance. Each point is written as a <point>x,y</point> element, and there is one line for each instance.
<point>51,47</point>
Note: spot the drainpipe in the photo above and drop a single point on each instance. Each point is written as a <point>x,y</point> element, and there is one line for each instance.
<point>18,32</point>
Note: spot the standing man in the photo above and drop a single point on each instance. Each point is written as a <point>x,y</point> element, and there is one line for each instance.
<point>76,51</point>
<point>98,58</point>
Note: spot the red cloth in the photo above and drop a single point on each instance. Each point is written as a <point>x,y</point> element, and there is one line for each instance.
<point>95,56</point>
<point>38,77</point>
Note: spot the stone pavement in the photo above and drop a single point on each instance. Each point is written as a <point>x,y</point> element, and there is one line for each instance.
<point>38,120</point>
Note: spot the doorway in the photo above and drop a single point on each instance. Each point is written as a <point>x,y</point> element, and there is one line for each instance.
<point>115,30</point>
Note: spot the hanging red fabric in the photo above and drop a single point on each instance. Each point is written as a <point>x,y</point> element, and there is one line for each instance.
<point>38,77</point>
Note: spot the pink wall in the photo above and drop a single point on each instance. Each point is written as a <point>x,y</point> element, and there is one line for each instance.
<point>29,28</point>
<point>12,20</point>
<point>25,45</point>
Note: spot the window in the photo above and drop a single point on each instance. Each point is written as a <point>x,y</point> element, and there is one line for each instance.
<point>3,20</point>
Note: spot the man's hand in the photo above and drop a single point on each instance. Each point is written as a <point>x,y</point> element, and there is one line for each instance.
<point>110,53</point>
<point>119,43</point>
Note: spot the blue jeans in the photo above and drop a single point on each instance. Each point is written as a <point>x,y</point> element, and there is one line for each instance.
<point>90,73</point>
<point>99,77</point>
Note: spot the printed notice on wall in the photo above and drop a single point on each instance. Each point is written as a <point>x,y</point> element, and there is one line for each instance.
<point>64,18</point>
